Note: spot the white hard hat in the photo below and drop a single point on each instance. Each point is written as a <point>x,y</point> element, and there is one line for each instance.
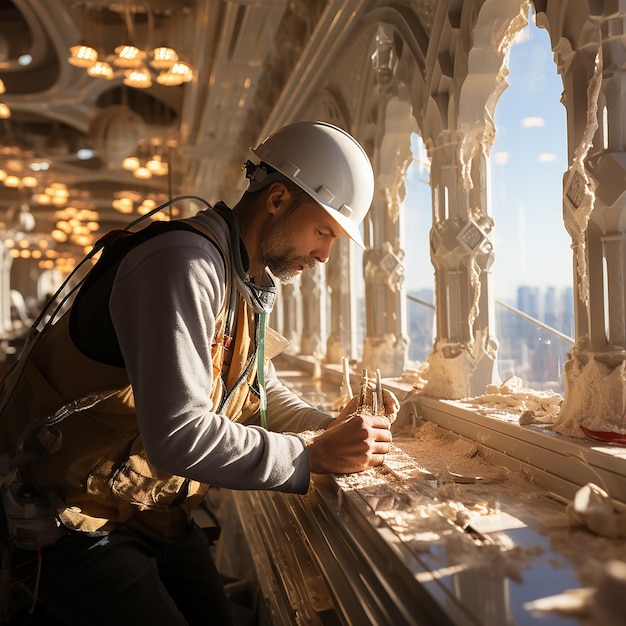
<point>327,163</point>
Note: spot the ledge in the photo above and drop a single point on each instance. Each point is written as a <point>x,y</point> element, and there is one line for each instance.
<point>410,543</point>
<point>393,547</point>
<point>559,464</point>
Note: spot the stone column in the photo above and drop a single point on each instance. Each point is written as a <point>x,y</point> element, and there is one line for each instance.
<point>342,338</point>
<point>6,326</point>
<point>314,303</point>
<point>594,210</point>
<point>276,319</point>
<point>292,315</point>
<point>386,337</point>
<point>461,362</point>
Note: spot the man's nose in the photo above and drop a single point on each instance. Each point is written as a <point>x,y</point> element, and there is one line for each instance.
<point>322,253</point>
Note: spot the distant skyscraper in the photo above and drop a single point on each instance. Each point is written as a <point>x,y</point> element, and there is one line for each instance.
<point>551,307</point>
<point>528,300</point>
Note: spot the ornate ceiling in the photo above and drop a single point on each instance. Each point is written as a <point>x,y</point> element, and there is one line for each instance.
<point>240,53</point>
<point>256,65</point>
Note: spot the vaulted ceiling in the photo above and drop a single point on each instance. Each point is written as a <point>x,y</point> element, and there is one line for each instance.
<point>256,64</point>
<point>70,130</point>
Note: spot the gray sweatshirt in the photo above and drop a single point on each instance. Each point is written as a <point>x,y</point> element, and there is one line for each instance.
<point>165,298</point>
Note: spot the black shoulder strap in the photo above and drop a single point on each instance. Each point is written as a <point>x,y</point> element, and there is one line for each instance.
<point>91,327</point>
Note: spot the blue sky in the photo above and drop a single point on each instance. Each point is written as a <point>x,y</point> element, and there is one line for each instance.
<point>528,160</point>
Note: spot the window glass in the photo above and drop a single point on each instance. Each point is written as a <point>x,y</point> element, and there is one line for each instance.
<point>415,241</point>
<point>532,272</point>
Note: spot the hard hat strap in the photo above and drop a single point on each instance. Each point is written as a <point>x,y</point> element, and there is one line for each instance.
<point>262,175</point>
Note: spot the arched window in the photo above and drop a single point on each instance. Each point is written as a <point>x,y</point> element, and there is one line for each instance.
<point>532,272</point>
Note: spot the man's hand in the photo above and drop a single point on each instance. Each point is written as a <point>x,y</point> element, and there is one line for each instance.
<point>353,444</point>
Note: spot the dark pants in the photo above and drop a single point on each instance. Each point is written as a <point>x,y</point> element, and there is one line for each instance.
<point>128,579</point>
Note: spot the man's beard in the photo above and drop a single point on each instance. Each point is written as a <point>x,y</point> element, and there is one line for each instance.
<point>278,256</point>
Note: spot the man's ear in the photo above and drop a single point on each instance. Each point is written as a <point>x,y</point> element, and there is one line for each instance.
<point>276,196</point>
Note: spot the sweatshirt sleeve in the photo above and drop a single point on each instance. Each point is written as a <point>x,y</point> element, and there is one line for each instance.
<point>166,294</point>
<point>286,412</point>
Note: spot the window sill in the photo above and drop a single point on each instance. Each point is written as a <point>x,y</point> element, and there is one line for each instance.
<point>558,464</point>
<point>408,544</point>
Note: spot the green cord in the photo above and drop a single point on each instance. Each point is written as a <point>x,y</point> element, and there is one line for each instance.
<point>261,371</point>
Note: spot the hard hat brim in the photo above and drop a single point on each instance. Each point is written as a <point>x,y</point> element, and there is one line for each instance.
<point>347,225</point>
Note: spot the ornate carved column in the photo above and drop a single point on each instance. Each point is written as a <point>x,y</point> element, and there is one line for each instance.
<point>292,315</point>
<point>314,303</point>
<point>277,318</point>
<point>594,210</point>
<point>386,338</point>
<point>340,282</point>
<point>464,85</point>
<point>462,360</point>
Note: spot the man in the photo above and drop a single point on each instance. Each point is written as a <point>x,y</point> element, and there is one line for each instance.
<point>161,351</point>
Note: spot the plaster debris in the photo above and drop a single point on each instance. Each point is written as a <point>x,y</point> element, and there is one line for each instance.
<point>533,407</point>
<point>450,367</point>
<point>588,403</point>
<point>570,603</point>
<point>592,507</point>
<point>430,520</point>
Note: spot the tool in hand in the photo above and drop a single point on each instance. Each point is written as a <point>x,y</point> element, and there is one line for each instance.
<point>376,405</point>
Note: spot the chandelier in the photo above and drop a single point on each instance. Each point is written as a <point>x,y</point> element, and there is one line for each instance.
<point>132,202</point>
<point>76,221</point>
<point>151,158</point>
<point>138,65</point>
<point>5,112</point>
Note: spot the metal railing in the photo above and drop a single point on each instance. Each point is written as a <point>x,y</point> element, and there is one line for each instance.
<point>512,309</point>
<point>537,357</point>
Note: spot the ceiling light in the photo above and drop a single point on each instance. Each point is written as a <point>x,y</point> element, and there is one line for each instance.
<point>162,61</point>
<point>142,172</point>
<point>167,79</point>
<point>123,205</point>
<point>84,154</point>
<point>139,78</point>
<point>157,166</point>
<point>129,56</point>
<point>163,57</point>
<point>183,69</point>
<point>82,56</point>
<point>101,69</point>
<point>42,198</point>
<point>131,163</point>
<point>180,72</point>
<point>5,112</point>
<point>147,160</point>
